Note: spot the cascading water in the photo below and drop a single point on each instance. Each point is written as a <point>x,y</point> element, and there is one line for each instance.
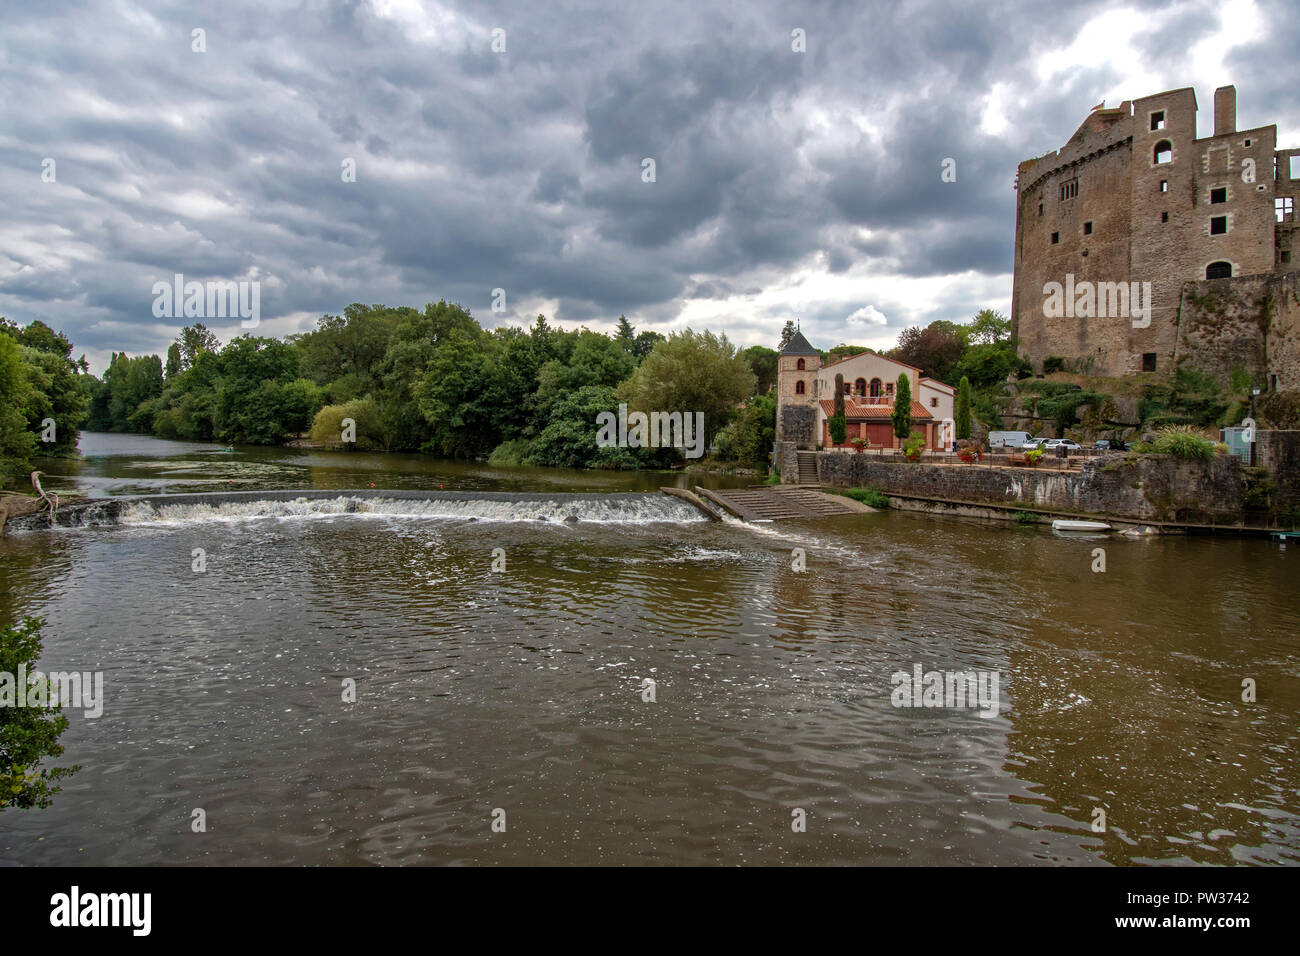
<point>181,510</point>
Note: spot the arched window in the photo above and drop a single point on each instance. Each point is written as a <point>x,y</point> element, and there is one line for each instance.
<point>875,388</point>
<point>798,386</point>
<point>1218,270</point>
<point>799,365</point>
<point>1164,152</point>
<point>860,387</point>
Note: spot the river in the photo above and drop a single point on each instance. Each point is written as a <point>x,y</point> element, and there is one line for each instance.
<point>771,736</point>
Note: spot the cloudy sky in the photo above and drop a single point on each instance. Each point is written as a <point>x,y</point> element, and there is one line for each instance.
<point>786,183</point>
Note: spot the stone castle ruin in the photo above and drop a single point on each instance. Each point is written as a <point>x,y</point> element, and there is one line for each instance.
<point>1139,245</point>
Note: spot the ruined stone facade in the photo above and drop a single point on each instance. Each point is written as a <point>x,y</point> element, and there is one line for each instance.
<point>1136,197</point>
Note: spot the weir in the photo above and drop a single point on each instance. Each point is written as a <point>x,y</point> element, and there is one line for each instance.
<point>557,507</point>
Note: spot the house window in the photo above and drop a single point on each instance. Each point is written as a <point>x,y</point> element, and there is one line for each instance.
<point>1284,208</point>
<point>1087,228</point>
<point>1056,237</point>
<point>1219,226</point>
<point>860,387</point>
<point>889,389</point>
<point>1164,217</point>
<point>1218,270</point>
<point>799,365</point>
<point>1164,152</point>
<point>1070,190</point>
<point>875,388</point>
<point>1218,195</point>
<point>1148,361</point>
<point>798,386</point>
<point>934,403</point>
<point>1158,120</point>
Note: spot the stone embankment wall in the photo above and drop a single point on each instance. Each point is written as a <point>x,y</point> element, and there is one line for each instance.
<point>1153,488</point>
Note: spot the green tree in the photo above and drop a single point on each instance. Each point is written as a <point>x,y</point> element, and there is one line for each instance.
<point>963,408</point>
<point>989,328</point>
<point>762,362</point>
<point>902,416</point>
<point>691,372</point>
<point>194,339</point>
<point>17,444</point>
<point>837,426</point>
<point>749,438</point>
<point>788,332</point>
<point>173,366</point>
<point>30,734</point>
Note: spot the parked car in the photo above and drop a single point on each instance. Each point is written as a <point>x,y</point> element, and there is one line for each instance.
<point>1008,439</point>
<point>1033,443</point>
<point>1111,444</point>
<point>1053,443</point>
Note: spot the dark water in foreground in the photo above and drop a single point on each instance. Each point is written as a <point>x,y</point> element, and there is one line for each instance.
<point>522,690</point>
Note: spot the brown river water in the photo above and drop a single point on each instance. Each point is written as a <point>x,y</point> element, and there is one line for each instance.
<point>522,694</point>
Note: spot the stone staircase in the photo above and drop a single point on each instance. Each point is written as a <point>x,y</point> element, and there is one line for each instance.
<point>807,467</point>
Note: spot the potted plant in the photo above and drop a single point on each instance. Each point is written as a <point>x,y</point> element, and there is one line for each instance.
<point>859,444</point>
<point>1032,456</point>
<point>913,447</point>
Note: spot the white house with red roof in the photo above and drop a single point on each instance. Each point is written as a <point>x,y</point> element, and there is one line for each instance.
<point>869,384</point>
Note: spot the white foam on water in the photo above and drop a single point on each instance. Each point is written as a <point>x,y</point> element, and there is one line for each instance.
<point>646,509</point>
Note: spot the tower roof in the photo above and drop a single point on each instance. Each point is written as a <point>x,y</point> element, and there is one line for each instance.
<point>798,345</point>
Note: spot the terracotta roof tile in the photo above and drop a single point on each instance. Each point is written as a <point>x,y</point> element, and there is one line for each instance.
<point>854,411</point>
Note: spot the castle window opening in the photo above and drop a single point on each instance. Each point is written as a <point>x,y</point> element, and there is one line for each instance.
<point>1295,167</point>
<point>875,388</point>
<point>1219,226</point>
<point>1087,228</point>
<point>1285,256</point>
<point>860,387</point>
<point>1164,152</point>
<point>1148,361</point>
<point>1246,144</point>
<point>799,365</point>
<point>1218,195</point>
<point>1040,209</point>
<point>1056,237</point>
<point>1164,185</point>
<point>1218,270</point>
<point>798,386</point>
<point>1284,207</point>
<point>1070,190</point>
<point>1158,120</point>
<point>1272,382</point>
<point>1164,217</point>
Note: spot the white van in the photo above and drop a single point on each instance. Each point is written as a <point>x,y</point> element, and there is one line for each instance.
<point>1009,439</point>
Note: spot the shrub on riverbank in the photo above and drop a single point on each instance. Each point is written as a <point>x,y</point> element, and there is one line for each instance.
<point>868,496</point>
<point>28,734</point>
<point>1183,442</point>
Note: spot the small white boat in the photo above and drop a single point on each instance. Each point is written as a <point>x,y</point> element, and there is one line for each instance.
<point>1082,527</point>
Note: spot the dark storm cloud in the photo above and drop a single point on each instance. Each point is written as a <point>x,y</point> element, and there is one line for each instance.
<point>522,170</point>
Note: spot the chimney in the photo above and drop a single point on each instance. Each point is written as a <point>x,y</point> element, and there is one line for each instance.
<point>1225,110</point>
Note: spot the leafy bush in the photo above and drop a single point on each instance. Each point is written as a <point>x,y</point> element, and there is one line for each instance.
<point>1026,517</point>
<point>1053,363</point>
<point>1183,442</point>
<point>868,496</point>
<point>912,447</point>
<point>838,429</point>
<point>517,451</point>
<point>27,734</point>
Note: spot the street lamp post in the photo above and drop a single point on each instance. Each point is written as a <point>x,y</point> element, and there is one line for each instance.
<point>1254,393</point>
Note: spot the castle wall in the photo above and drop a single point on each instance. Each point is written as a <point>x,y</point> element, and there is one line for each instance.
<point>1251,323</point>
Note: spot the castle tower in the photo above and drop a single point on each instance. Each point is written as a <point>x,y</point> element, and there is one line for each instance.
<point>796,392</point>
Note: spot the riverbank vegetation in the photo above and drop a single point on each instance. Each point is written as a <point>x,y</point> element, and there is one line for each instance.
<point>29,734</point>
